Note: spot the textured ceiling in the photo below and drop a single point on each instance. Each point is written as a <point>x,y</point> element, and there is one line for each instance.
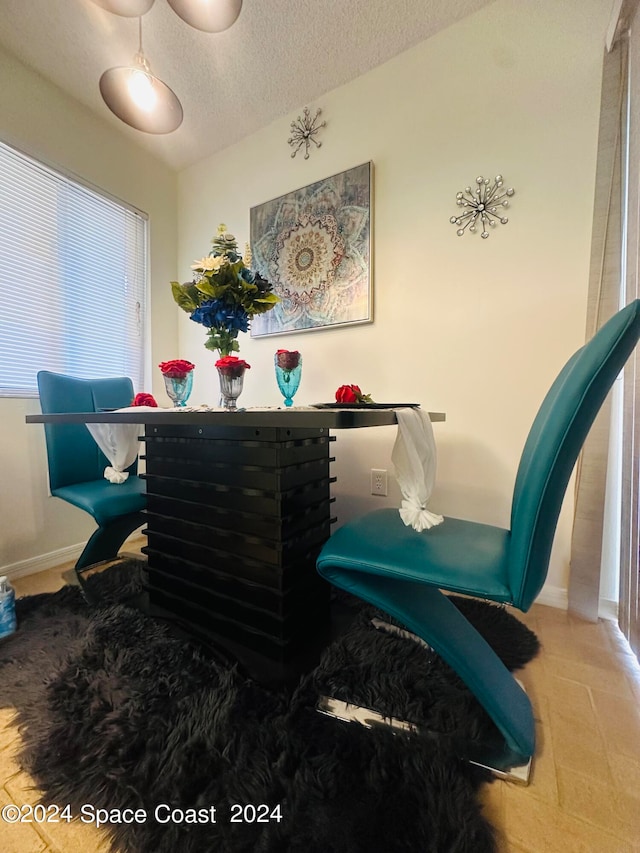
<point>279,56</point>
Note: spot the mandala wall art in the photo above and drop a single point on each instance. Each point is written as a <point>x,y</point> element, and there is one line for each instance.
<point>314,245</point>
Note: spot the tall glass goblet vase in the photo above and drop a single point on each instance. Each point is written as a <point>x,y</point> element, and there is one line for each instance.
<point>288,364</point>
<point>178,388</point>
<point>231,371</point>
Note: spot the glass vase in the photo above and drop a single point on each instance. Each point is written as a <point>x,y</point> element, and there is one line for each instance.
<point>288,374</point>
<point>231,383</point>
<point>178,388</point>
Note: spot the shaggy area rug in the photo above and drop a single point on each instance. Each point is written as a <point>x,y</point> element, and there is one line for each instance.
<point>118,712</point>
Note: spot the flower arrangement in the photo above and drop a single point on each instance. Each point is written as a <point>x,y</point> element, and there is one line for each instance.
<point>352,394</point>
<point>177,368</point>
<point>287,359</point>
<point>226,294</point>
<point>231,365</point>
<point>143,399</point>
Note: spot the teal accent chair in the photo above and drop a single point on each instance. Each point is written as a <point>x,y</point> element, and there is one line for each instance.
<point>76,464</point>
<point>401,571</point>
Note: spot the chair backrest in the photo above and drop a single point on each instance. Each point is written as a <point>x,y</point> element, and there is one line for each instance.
<point>73,455</point>
<point>552,447</point>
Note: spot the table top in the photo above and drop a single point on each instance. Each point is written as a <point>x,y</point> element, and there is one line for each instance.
<point>296,416</point>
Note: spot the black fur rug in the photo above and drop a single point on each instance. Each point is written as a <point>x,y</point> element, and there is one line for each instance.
<point>118,712</point>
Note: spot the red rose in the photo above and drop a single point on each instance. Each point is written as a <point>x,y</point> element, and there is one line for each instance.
<point>347,394</point>
<point>352,394</point>
<point>177,368</point>
<point>143,399</point>
<point>287,359</point>
<point>231,365</point>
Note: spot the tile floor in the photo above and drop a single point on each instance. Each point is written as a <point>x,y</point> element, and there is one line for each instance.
<point>584,794</point>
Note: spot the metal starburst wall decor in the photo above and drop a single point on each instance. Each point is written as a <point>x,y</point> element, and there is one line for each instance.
<point>304,130</point>
<point>482,206</point>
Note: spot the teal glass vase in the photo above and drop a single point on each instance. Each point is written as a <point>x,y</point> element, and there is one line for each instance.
<point>288,374</point>
<point>178,388</point>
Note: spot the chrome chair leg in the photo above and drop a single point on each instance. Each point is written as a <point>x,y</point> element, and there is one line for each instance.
<point>499,764</point>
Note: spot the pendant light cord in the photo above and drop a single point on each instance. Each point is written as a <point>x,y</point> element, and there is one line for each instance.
<point>140,58</point>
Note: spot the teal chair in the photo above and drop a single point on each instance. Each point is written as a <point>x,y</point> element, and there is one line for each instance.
<point>76,464</point>
<point>379,560</point>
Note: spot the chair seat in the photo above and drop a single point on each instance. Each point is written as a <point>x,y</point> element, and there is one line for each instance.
<point>457,555</point>
<point>106,501</point>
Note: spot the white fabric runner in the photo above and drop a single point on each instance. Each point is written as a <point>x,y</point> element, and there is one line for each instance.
<point>119,443</point>
<point>414,459</point>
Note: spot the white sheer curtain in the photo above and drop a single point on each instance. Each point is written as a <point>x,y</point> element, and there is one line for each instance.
<point>628,616</point>
<point>614,282</point>
<point>603,301</point>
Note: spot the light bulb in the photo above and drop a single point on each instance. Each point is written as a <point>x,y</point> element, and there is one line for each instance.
<point>141,89</point>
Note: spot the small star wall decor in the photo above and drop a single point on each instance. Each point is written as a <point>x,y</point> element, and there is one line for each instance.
<point>482,206</point>
<point>304,131</point>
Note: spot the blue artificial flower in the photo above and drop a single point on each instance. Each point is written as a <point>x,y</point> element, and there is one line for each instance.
<point>247,275</point>
<point>237,318</point>
<point>215,314</point>
<point>209,314</point>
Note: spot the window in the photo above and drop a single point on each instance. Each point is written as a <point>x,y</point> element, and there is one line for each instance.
<point>73,273</point>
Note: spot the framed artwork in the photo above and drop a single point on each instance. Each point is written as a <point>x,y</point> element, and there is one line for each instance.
<point>314,245</point>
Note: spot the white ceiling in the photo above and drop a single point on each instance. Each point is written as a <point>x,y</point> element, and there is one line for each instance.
<point>278,57</point>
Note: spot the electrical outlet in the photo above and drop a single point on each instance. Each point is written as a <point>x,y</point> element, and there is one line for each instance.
<point>379,481</point>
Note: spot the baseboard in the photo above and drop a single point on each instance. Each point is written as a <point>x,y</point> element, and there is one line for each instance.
<point>555,596</point>
<point>56,558</point>
<point>43,562</point>
<point>608,609</point>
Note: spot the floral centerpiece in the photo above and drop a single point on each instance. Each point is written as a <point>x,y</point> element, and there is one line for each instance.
<point>225,293</point>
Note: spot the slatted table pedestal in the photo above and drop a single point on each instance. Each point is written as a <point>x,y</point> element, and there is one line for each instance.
<point>236,518</point>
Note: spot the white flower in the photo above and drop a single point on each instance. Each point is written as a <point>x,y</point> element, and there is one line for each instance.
<point>209,263</point>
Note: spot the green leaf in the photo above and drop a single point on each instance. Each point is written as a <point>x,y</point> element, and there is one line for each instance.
<point>223,341</point>
<point>184,296</point>
<point>206,287</point>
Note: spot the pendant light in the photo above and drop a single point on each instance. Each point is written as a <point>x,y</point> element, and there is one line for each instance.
<point>126,8</point>
<point>211,16</point>
<point>138,98</point>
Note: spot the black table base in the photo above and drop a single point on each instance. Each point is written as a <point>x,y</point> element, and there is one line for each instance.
<point>238,508</point>
<point>236,517</point>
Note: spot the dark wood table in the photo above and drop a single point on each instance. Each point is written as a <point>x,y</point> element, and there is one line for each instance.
<point>238,507</point>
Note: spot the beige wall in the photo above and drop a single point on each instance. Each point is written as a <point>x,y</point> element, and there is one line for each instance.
<point>475,328</point>
<point>39,119</point>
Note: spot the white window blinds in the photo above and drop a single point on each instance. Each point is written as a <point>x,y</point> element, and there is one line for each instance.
<point>73,273</point>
